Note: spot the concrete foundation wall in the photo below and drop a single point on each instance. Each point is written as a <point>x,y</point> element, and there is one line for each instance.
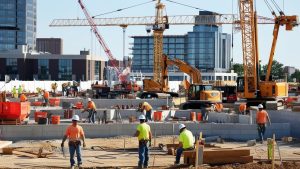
<point>287,116</point>
<point>228,131</point>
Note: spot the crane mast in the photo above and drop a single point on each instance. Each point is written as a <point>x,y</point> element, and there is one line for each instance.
<point>250,48</point>
<point>161,23</point>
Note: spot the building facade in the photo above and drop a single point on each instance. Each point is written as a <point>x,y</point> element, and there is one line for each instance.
<point>35,66</point>
<point>17,24</point>
<point>205,48</point>
<point>50,45</point>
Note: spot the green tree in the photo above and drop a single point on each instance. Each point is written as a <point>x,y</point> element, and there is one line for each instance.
<point>238,68</point>
<point>276,70</point>
<point>296,75</point>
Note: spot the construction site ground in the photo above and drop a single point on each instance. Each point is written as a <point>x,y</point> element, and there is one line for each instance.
<point>111,153</point>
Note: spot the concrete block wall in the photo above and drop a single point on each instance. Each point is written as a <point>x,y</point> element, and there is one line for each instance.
<point>241,132</point>
<point>287,116</point>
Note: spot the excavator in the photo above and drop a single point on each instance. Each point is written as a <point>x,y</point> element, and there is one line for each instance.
<point>198,93</point>
<point>252,88</point>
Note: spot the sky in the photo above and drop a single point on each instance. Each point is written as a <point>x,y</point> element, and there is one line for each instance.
<point>79,38</point>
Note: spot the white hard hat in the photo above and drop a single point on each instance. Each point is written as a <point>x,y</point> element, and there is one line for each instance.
<point>75,118</point>
<point>142,117</point>
<point>181,126</point>
<point>260,106</point>
<point>89,99</point>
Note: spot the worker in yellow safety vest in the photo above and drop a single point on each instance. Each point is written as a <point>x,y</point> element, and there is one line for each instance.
<point>145,106</point>
<point>186,142</point>
<point>143,132</point>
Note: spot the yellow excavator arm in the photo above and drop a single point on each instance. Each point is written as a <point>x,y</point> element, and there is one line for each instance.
<point>193,72</point>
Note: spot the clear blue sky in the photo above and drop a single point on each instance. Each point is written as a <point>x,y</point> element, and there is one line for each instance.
<point>78,38</point>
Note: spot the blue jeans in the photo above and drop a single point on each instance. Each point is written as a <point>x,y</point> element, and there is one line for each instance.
<point>148,115</point>
<point>91,116</point>
<point>179,152</point>
<point>72,150</point>
<point>261,128</point>
<point>143,154</point>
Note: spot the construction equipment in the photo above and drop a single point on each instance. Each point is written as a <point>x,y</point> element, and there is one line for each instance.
<point>199,94</point>
<point>251,87</point>
<point>122,75</point>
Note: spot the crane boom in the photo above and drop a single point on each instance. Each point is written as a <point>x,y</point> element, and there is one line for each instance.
<point>99,37</point>
<point>149,20</point>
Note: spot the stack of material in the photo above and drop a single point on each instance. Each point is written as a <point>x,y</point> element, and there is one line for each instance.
<point>220,156</point>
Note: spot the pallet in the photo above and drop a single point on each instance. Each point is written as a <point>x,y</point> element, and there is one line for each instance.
<point>10,122</point>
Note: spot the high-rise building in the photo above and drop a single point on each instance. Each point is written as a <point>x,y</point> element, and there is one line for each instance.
<point>205,48</point>
<point>17,24</point>
<point>50,45</point>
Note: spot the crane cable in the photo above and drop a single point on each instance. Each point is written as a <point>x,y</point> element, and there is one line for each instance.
<point>190,6</point>
<point>122,9</point>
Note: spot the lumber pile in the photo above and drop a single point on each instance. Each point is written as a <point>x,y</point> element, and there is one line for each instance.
<point>220,156</point>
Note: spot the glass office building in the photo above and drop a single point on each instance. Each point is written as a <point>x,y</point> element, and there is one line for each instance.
<point>205,48</point>
<point>17,24</point>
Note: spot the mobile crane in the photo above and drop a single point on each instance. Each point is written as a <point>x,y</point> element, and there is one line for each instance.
<point>251,87</point>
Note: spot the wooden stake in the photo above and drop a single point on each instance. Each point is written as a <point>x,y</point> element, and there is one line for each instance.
<point>273,154</point>
<point>197,149</point>
<point>124,144</point>
<point>173,135</point>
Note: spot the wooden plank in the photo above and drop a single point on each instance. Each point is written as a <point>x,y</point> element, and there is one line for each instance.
<point>226,153</point>
<point>7,151</point>
<point>19,153</point>
<point>229,160</point>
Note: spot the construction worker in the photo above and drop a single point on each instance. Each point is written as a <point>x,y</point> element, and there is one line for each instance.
<point>74,133</point>
<point>14,92</point>
<point>261,120</point>
<point>23,98</point>
<point>20,90</point>
<point>186,142</point>
<point>46,96</point>
<point>91,108</point>
<point>143,132</point>
<point>145,106</point>
<point>243,108</point>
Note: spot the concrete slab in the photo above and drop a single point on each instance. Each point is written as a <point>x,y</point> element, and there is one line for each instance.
<point>5,144</point>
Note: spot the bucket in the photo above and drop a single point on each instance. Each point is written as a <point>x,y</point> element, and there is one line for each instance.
<point>158,116</point>
<point>193,116</point>
<point>68,114</point>
<point>42,120</point>
<point>38,115</point>
<point>55,119</point>
<point>199,116</point>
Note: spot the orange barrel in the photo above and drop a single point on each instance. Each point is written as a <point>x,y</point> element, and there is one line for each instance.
<point>55,119</point>
<point>193,116</point>
<point>199,116</point>
<point>157,116</point>
<point>38,115</point>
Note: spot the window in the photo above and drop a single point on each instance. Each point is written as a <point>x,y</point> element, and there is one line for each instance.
<point>65,69</point>
<point>97,70</point>
<point>43,69</point>
<point>12,68</point>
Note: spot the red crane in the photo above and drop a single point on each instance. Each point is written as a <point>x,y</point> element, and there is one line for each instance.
<point>113,61</point>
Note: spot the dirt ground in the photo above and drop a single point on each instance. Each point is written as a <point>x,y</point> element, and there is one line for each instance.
<point>110,153</point>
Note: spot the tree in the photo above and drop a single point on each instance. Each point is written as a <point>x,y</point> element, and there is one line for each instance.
<point>276,70</point>
<point>238,68</point>
<point>296,75</point>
